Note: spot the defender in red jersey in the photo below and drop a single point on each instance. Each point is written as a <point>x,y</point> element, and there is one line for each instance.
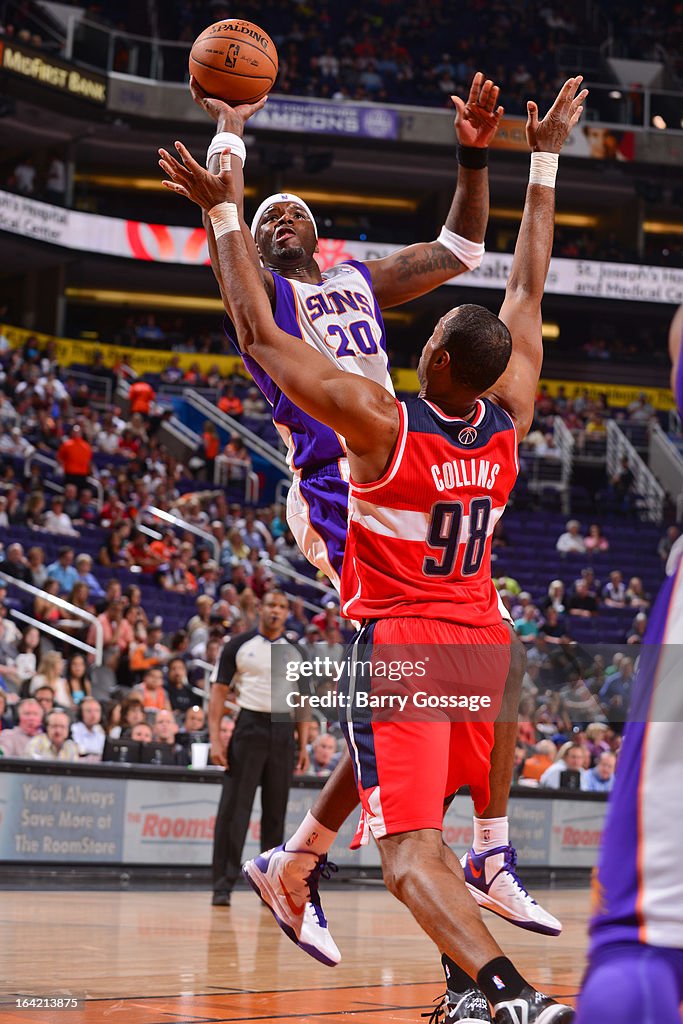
<point>419,538</point>
<point>471,354</point>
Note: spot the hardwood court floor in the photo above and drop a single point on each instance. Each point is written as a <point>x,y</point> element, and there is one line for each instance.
<point>169,958</point>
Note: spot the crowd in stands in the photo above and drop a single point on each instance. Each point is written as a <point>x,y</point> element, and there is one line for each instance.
<point>586,762</point>
<point>586,416</point>
<point>164,602</point>
<point>424,53</point>
<point>421,54</point>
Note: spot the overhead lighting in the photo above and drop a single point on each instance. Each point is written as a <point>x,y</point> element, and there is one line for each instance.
<point>144,300</point>
<point>319,197</point>
<point>565,220</point>
<point>662,227</point>
<point>125,183</point>
<point>357,199</point>
<point>615,94</point>
<point>394,316</point>
<point>550,332</point>
<point>659,122</point>
<point>191,303</point>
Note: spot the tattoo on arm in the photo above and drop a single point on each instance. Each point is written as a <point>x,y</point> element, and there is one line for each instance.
<point>433,258</point>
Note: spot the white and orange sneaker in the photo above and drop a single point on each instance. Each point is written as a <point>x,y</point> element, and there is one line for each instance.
<point>287,882</point>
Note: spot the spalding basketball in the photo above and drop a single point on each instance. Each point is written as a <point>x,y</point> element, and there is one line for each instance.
<point>235,61</point>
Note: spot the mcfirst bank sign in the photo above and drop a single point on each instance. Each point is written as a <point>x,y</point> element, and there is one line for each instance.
<point>52,73</point>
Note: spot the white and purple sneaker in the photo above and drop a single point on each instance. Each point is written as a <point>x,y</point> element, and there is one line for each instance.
<point>492,879</point>
<point>287,882</point>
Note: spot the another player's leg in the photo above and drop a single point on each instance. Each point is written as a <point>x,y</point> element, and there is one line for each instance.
<point>417,873</point>
<point>405,812</point>
<point>490,866</point>
<point>286,877</point>
<point>630,983</point>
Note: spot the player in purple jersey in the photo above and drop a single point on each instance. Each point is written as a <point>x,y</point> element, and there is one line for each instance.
<point>635,972</point>
<point>339,314</point>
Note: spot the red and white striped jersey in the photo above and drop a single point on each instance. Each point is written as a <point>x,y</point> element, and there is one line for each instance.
<point>419,538</point>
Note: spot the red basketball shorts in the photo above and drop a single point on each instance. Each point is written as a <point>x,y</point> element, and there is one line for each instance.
<point>419,724</point>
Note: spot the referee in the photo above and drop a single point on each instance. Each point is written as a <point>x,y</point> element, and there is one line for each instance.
<point>261,751</point>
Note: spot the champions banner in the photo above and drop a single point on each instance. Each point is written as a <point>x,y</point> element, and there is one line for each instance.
<point>132,239</point>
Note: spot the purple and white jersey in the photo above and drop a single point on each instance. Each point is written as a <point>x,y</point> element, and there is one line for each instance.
<point>341,319</point>
<point>639,883</point>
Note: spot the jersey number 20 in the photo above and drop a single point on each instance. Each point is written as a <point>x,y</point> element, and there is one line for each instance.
<point>444,531</point>
<point>361,342</point>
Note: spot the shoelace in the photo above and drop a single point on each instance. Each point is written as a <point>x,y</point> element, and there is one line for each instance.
<point>510,863</point>
<point>324,869</point>
<point>438,1014</point>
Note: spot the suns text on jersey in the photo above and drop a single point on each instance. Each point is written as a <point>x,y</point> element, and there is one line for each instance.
<point>480,473</point>
<point>338,302</point>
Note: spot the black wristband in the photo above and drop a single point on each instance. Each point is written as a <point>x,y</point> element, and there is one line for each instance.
<point>472,157</point>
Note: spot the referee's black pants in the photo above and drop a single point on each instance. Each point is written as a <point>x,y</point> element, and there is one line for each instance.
<point>261,753</point>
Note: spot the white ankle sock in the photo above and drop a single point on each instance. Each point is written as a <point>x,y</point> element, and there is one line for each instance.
<point>489,833</point>
<point>311,837</point>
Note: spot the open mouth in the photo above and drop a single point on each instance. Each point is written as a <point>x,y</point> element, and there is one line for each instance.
<point>282,234</point>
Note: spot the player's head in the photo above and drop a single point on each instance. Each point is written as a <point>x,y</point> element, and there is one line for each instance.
<point>285,232</point>
<point>467,353</point>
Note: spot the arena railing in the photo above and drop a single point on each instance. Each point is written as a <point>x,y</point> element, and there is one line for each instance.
<point>80,613</point>
<point>281,491</point>
<point>101,386</point>
<point>181,440</point>
<point>646,484</point>
<point>44,627</point>
<point>104,49</point>
<point>233,426</point>
<point>554,471</point>
<point>207,668</point>
<point>298,577</point>
<point>168,517</point>
<point>666,462</point>
<point>57,469</point>
<point>222,476</point>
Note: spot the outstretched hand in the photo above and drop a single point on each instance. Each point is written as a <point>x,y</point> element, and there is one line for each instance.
<point>227,118</point>
<point>193,181</point>
<point>550,134</point>
<point>477,121</point>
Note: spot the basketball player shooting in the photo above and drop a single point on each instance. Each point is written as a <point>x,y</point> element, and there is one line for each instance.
<point>324,311</point>
<point>476,371</point>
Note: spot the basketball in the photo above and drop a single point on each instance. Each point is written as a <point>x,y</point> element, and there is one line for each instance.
<point>235,61</point>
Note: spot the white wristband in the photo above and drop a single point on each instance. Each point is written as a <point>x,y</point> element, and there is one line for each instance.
<point>543,169</point>
<point>224,219</point>
<point>227,140</point>
<point>469,253</point>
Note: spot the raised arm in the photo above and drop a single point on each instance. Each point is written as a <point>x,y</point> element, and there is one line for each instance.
<point>364,413</point>
<point>521,309</point>
<point>418,269</point>
<point>229,119</point>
